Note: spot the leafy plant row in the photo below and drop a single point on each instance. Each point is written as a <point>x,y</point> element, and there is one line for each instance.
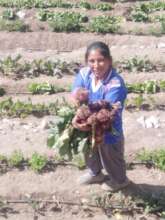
<point>42,88</point>
<point>157,157</point>
<point>37,162</point>
<point>13,25</point>
<point>141,12</point>
<point>138,64</point>
<point>73,21</point>
<point>17,68</point>
<point>10,108</point>
<point>148,87</point>
<point>22,109</point>
<point>54,4</point>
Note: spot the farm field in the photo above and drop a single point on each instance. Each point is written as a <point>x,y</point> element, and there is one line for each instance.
<point>42,45</point>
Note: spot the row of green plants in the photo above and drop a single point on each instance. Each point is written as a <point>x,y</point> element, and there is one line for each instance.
<point>13,25</point>
<point>142,11</point>
<point>11,108</point>
<point>9,21</point>
<point>37,162</point>
<point>156,157</point>
<point>148,87</point>
<point>42,88</point>
<point>73,22</point>
<point>18,68</point>
<point>143,102</point>
<point>138,64</point>
<point>54,4</point>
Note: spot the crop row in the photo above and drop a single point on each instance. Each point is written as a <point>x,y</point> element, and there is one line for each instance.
<point>147,87</point>
<point>72,21</point>
<point>22,109</point>
<point>75,22</point>
<point>142,11</point>
<point>157,157</point>
<point>54,4</point>
<point>40,163</point>
<point>9,108</point>
<point>17,68</point>
<point>37,162</point>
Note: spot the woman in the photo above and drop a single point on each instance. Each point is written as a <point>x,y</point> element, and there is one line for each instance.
<point>104,83</point>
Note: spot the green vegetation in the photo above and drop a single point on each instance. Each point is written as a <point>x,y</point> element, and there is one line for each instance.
<point>142,11</point>
<point>9,21</point>
<point>72,21</point>
<point>148,87</point>
<point>2,91</point>
<point>138,101</point>
<point>42,88</point>
<point>37,162</point>
<point>13,25</point>
<point>53,4</point>
<point>105,24</point>
<point>136,64</point>
<point>15,67</point>
<point>66,140</point>
<point>67,22</point>
<point>16,158</point>
<point>157,157</point>
<point>44,15</point>
<point>22,109</point>
<point>9,14</point>
<point>18,68</point>
<point>103,6</point>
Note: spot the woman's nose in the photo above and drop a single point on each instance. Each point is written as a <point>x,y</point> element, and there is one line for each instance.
<point>96,64</point>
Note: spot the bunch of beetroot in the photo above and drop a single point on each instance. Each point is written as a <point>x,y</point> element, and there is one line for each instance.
<point>95,117</point>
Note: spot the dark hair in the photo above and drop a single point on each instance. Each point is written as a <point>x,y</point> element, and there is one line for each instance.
<point>98,45</point>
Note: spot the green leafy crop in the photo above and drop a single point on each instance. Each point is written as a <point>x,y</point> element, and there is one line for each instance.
<point>37,162</point>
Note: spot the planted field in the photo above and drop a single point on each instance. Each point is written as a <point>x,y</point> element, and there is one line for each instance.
<point>42,46</point>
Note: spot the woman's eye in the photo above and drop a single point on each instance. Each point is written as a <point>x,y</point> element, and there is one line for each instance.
<point>91,61</point>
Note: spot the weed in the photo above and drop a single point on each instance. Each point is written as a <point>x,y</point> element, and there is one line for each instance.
<point>13,25</point>
<point>16,158</point>
<point>156,156</point>
<point>37,162</point>
<point>138,101</point>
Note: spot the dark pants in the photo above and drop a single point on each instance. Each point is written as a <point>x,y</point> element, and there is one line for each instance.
<point>111,158</point>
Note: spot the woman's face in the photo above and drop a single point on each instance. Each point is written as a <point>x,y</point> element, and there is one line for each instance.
<point>98,63</point>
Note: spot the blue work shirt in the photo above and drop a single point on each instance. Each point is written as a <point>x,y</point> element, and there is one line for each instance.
<point>111,89</point>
